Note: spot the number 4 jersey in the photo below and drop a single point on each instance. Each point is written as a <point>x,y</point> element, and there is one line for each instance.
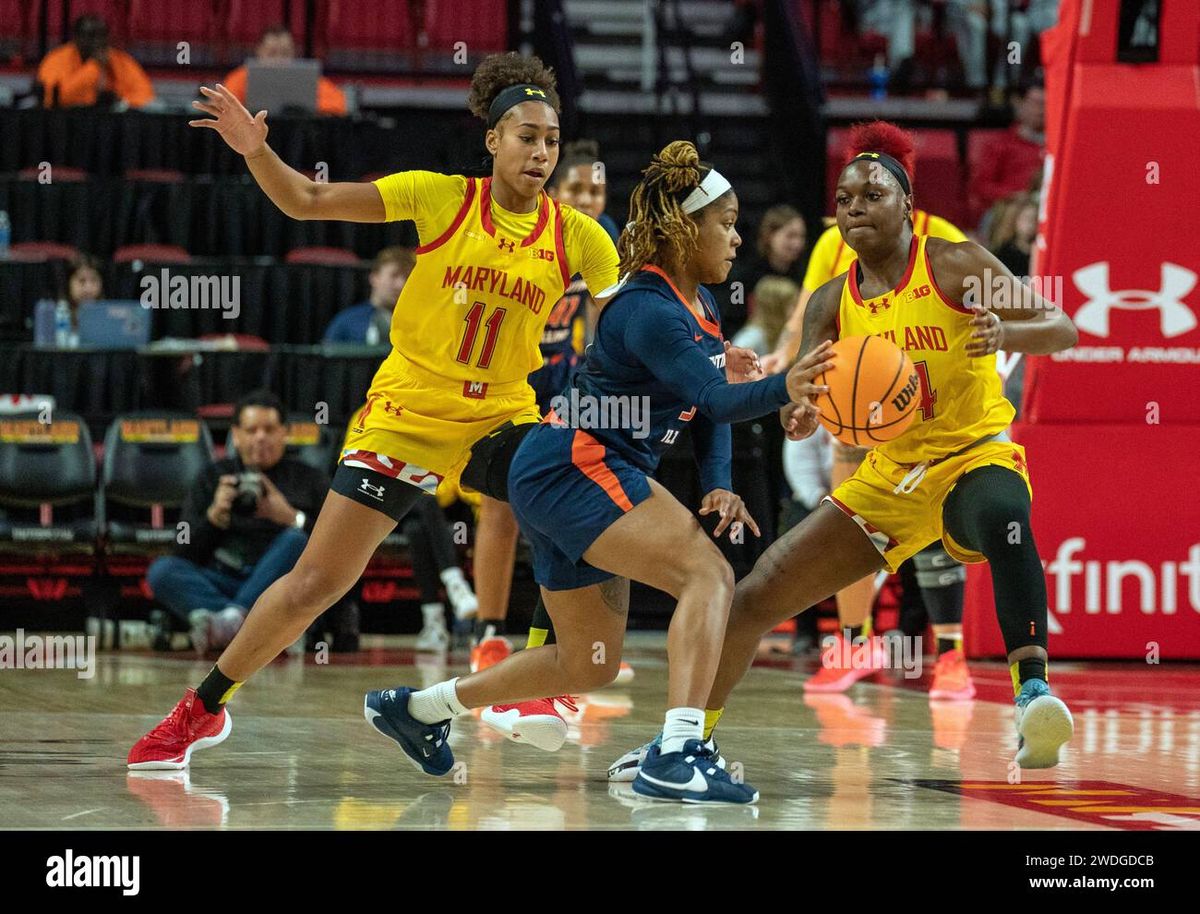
<point>961,399</point>
<point>466,328</point>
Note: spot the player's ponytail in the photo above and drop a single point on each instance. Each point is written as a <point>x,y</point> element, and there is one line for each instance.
<point>656,214</point>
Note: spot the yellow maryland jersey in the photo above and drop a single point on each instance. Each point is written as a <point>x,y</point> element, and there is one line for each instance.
<point>961,399</point>
<point>831,256</point>
<point>471,314</point>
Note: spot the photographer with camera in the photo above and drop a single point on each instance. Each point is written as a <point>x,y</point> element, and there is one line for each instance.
<point>248,518</point>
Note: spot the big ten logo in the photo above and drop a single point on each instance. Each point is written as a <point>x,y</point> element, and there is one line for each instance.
<point>542,254</point>
<point>915,294</point>
<point>321,173</point>
<point>183,53</point>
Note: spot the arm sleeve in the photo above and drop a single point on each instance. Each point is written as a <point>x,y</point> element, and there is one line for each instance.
<point>661,339</point>
<point>590,251</point>
<point>713,444</point>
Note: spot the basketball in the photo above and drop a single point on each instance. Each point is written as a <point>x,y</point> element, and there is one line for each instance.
<point>873,391</point>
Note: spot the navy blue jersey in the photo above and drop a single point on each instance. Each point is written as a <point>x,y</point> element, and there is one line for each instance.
<point>656,366</point>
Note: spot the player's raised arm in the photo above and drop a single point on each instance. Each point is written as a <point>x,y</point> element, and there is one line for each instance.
<point>1010,315</point>
<point>296,195</point>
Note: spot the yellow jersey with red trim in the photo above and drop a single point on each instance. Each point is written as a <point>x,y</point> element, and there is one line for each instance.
<point>960,399</point>
<point>471,313</point>
<point>831,256</point>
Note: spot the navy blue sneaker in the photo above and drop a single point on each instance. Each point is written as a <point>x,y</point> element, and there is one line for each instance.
<point>425,744</point>
<point>628,765</point>
<point>689,776</point>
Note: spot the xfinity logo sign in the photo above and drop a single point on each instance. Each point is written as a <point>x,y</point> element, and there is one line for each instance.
<point>1175,317</point>
<point>1168,588</point>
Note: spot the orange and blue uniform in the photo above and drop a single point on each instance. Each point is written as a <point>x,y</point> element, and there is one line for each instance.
<point>656,366</point>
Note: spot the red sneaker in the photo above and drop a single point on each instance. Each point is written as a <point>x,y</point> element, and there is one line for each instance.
<point>535,722</point>
<point>188,727</point>
<point>844,663</point>
<point>951,678</point>
<point>489,652</point>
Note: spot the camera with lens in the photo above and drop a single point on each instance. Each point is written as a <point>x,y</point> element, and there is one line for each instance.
<point>248,491</point>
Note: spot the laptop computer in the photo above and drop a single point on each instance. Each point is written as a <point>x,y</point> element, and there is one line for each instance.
<point>113,325</point>
<point>279,86</point>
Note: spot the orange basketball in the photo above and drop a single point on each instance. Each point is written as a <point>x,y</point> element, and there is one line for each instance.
<point>873,391</point>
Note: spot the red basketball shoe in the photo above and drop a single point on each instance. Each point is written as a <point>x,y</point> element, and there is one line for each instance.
<point>188,727</point>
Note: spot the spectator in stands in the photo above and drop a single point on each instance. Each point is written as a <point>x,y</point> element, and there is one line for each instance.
<point>370,322</point>
<point>84,282</point>
<point>1014,233</point>
<point>896,19</point>
<point>782,239</point>
<point>774,298</point>
<point>86,71</point>
<point>579,181</point>
<point>1008,162</point>
<point>276,44</point>
<point>248,518</point>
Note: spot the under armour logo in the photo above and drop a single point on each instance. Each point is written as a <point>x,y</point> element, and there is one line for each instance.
<point>505,245</point>
<point>375,492</point>
<point>538,92</point>
<point>877,306</point>
<point>1175,317</point>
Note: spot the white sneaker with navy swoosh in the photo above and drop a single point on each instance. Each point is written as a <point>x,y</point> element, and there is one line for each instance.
<point>689,776</point>
<point>626,768</point>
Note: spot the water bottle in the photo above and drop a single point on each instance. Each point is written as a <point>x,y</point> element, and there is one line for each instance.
<point>5,235</point>
<point>878,78</point>
<point>62,324</point>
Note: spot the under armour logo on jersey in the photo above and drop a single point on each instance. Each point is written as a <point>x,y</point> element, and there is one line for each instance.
<point>505,245</point>
<point>876,306</point>
<point>1175,317</point>
<point>391,408</point>
<point>375,492</point>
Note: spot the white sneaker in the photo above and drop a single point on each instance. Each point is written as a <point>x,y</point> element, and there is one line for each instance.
<point>199,623</point>
<point>460,594</point>
<point>224,625</point>
<point>1044,725</point>
<point>433,638</point>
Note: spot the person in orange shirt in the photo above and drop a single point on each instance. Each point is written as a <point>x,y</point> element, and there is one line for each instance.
<point>86,71</point>
<point>277,44</point>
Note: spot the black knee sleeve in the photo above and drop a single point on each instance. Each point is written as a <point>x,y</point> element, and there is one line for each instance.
<point>942,581</point>
<point>487,470</point>
<point>541,619</point>
<point>988,511</point>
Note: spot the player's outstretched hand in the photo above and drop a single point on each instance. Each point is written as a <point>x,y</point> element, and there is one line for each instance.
<point>800,386</point>
<point>799,420</point>
<point>741,364</point>
<point>732,510</point>
<point>244,134</point>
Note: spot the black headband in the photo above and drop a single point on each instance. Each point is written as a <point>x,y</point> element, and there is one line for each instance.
<point>890,164</point>
<point>514,95</point>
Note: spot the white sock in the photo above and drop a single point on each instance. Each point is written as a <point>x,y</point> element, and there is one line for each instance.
<point>682,724</point>
<point>435,615</point>
<point>437,703</point>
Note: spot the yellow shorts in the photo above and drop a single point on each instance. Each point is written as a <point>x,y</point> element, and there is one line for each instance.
<point>901,525</point>
<point>420,422</point>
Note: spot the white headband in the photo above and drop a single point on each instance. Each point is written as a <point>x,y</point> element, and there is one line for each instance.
<point>713,185</point>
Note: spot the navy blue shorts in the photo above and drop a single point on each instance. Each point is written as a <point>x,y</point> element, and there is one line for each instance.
<point>551,379</point>
<point>566,488</point>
